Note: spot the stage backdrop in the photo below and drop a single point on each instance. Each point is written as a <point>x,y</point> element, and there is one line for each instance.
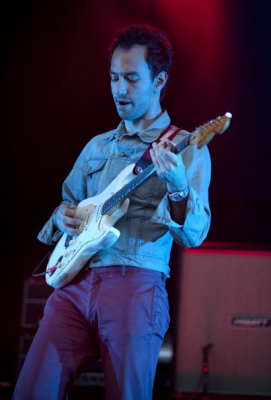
<point>56,93</point>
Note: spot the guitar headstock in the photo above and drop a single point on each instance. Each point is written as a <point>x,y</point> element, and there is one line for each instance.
<point>204,133</point>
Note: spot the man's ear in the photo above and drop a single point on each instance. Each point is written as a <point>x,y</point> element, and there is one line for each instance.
<point>160,81</point>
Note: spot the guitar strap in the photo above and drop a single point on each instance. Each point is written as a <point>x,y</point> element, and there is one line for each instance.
<point>145,160</point>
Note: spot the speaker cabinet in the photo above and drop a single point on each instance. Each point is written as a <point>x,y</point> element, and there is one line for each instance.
<point>223,322</point>
<point>35,294</point>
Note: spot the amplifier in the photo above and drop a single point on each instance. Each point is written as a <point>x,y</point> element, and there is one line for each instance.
<point>35,294</point>
<point>223,322</point>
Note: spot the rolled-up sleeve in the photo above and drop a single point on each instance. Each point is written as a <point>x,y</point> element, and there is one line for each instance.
<point>197,220</point>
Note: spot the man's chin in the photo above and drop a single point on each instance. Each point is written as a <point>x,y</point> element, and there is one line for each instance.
<point>125,115</point>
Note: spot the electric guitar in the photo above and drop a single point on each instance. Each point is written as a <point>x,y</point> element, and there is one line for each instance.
<point>100,213</point>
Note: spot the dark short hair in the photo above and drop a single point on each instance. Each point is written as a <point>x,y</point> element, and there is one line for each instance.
<point>159,51</point>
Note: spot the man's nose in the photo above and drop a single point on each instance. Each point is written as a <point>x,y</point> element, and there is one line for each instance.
<point>121,87</point>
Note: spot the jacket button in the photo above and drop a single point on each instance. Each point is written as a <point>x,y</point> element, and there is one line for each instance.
<point>122,154</point>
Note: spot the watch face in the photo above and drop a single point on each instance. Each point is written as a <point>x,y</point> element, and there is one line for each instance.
<point>177,196</point>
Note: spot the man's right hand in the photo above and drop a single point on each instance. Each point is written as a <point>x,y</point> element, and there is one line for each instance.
<point>65,221</point>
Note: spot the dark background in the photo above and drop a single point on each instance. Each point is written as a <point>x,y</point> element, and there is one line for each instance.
<point>56,93</point>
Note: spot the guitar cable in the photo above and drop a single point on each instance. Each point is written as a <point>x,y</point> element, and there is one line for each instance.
<point>47,256</point>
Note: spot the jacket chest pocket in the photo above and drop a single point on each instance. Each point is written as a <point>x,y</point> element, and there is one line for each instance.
<point>94,172</point>
<point>100,173</point>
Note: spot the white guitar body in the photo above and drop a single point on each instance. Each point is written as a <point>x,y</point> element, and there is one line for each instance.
<point>98,232</point>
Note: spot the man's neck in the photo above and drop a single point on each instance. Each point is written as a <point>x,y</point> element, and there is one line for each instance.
<point>140,124</point>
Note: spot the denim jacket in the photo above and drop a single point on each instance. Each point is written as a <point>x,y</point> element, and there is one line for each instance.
<point>147,229</point>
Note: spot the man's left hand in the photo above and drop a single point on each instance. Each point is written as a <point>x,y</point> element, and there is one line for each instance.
<point>169,166</point>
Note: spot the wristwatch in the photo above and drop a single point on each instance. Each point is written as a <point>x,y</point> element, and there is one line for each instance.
<point>178,196</point>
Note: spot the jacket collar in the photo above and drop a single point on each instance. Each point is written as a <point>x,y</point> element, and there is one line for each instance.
<point>150,134</point>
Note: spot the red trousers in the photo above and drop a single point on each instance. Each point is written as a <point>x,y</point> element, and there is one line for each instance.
<point>118,314</point>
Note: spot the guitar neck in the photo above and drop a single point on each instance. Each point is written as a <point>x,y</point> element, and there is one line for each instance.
<point>201,137</point>
<point>139,179</point>
<point>128,188</point>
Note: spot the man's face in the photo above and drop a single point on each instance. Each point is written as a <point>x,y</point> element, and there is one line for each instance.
<point>132,84</point>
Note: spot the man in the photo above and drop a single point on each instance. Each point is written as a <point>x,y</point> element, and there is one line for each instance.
<point>116,308</point>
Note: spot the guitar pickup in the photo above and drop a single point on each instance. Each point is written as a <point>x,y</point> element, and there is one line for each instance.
<point>67,241</point>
